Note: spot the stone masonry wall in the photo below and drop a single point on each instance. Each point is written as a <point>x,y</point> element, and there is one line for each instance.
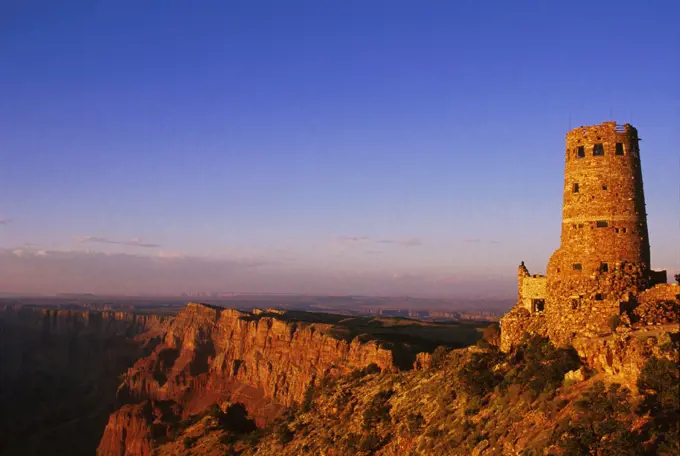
<point>603,262</point>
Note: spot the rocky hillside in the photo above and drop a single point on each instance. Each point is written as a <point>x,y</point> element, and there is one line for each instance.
<point>536,400</point>
<point>59,370</point>
<point>265,361</point>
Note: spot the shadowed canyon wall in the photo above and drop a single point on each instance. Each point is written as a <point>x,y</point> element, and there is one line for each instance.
<point>59,370</point>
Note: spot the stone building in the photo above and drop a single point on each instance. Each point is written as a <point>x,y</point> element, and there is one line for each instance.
<point>603,262</point>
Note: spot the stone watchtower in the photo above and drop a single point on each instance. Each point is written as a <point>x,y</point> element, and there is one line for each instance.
<point>603,213</point>
<point>603,261</point>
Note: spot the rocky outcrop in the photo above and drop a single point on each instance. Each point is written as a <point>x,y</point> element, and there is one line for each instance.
<point>623,355</point>
<point>657,306</point>
<point>210,354</point>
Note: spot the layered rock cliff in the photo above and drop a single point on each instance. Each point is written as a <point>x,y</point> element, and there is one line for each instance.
<point>59,371</point>
<point>210,355</point>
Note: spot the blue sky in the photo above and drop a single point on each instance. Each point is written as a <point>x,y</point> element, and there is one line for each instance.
<point>317,146</point>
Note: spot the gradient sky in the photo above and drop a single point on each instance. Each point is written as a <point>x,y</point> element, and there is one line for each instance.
<point>364,147</point>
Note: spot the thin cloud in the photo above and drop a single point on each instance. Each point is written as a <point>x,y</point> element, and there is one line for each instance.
<point>5,221</point>
<point>136,242</point>
<point>353,239</point>
<point>407,242</point>
<point>479,241</point>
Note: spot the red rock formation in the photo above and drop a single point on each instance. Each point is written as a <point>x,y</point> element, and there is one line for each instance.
<point>211,354</point>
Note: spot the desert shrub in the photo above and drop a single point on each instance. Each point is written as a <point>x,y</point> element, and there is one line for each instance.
<point>188,442</point>
<point>360,373</point>
<point>377,410</point>
<point>602,425</point>
<point>439,356</point>
<point>492,335</point>
<point>476,376</point>
<point>282,433</point>
<point>677,278</point>
<point>540,366</point>
<point>234,418</point>
<point>659,383</point>
<point>306,405</point>
<point>414,423</point>
<point>370,443</point>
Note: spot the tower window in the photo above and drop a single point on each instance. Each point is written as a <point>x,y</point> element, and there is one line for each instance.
<point>577,266</point>
<point>539,305</point>
<point>575,304</point>
<point>619,148</point>
<point>604,267</point>
<point>598,150</point>
<point>599,297</point>
<point>625,229</point>
<point>602,224</point>
<point>604,186</point>
<point>575,188</point>
<point>580,152</point>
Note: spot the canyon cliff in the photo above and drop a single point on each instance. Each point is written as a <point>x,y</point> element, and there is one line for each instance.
<point>59,370</point>
<point>211,355</point>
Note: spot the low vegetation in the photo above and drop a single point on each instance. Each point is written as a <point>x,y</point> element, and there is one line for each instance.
<point>475,401</point>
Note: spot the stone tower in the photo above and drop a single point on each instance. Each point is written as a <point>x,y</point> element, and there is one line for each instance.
<point>603,259</point>
<point>603,212</point>
<point>602,265</point>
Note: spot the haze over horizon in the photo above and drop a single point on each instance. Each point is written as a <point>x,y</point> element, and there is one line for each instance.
<point>380,148</point>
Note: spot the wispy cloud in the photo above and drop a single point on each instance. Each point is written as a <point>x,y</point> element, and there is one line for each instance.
<point>4,221</point>
<point>136,242</point>
<point>406,242</point>
<point>352,239</point>
<point>480,241</point>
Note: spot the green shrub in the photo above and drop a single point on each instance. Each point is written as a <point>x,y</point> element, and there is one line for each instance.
<point>439,356</point>
<point>602,426</point>
<point>414,423</point>
<point>377,410</point>
<point>283,433</point>
<point>659,383</point>
<point>492,335</point>
<point>307,401</point>
<point>540,366</point>
<point>188,442</point>
<point>476,377</point>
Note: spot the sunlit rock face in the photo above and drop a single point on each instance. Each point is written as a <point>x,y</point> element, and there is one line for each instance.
<point>210,354</point>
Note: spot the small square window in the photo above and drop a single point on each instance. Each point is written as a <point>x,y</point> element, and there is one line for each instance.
<point>580,225</point>
<point>602,224</point>
<point>617,230</point>
<point>625,229</point>
<point>598,150</point>
<point>575,304</point>
<point>619,148</point>
<point>575,188</point>
<point>604,267</point>
<point>577,266</point>
<point>580,151</point>
<point>599,297</point>
<point>604,186</point>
